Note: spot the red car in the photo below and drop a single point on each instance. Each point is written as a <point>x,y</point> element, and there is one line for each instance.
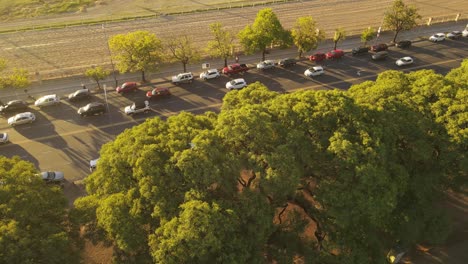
<point>379,47</point>
<point>335,54</point>
<point>317,57</point>
<point>158,92</point>
<point>127,87</point>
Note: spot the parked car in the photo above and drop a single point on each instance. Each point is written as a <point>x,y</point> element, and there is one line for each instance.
<point>127,87</point>
<point>236,84</point>
<point>3,137</point>
<point>264,65</point>
<point>404,61</point>
<point>403,44</point>
<point>314,71</point>
<point>379,47</point>
<point>286,62</point>
<point>22,118</point>
<point>454,34</point>
<point>360,50</point>
<point>317,57</point>
<point>137,108</point>
<point>13,106</point>
<point>90,109</point>
<point>381,55</point>
<point>465,32</point>
<point>210,74</point>
<point>437,37</point>
<point>79,95</point>
<point>52,176</point>
<point>335,54</point>
<point>158,92</point>
<point>235,68</point>
<point>186,77</point>
<point>47,100</point>
<point>93,164</point>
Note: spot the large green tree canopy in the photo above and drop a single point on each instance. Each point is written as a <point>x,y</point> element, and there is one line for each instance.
<point>326,176</point>
<point>32,217</point>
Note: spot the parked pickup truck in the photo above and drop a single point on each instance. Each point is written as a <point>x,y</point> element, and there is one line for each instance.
<point>235,68</point>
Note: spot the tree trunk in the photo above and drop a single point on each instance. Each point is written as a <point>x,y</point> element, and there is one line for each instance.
<point>394,37</point>
<point>225,61</point>
<point>334,46</point>
<point>98,85</point>
<point>263,54</point>
<point>300,54</point>
<point>143,76</point>
<point>185,66</point>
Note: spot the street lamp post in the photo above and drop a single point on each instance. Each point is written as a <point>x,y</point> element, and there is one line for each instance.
<point>110,56</point>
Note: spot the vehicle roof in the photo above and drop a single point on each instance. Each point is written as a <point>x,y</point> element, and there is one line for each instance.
<point>212,70</point>
<point>317,68</point>
<point>160,88</point>
<point>81,91</point>
<point>48,96</point>
<point>15,102</point>
<point>25,114</point>
<point>239,80</point>
<point>406,58</point>
<point>94,104</point>
<point>140,104</point>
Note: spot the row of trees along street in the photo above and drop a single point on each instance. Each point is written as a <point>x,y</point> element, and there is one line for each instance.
<point>322,176</point>
<point>142,51</point>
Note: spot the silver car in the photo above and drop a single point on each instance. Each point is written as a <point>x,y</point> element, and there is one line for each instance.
<point>47,100</point>
<point>22,118</point>
<point>52,176</point>
<point>3,138</point>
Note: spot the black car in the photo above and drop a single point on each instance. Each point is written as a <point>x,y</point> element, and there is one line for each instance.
<point>79,95</point>
<point>380,55</point>
<point>287,62</point>
<point>92,109</point>
<point>13,106</point>
<point>360,50</point>
<point>403,44</point>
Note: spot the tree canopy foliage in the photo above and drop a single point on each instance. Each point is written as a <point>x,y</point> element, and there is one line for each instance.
<point>306,35</point>
<point>265,30</point>
<point>326,176</point>
<point>97,74</point>
<point>367,35</point>
<point>181,49</point>
<point>400,17</point>
<point>222,44</point>
<point>32,217</point>
<point>16,77</point>
<point>136,51</point>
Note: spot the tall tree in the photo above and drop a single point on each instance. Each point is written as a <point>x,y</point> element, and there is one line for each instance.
<point>33,217</point>
<point>182,49</point>
<point>222,44</point>
<point>15,78</point>
<point>400,17</point>
<point>265,30</point>
<point>136,51</point>
<point>306,35</point>
<point>97,74</point>
<point>338,35</point>
<point>367,35</point>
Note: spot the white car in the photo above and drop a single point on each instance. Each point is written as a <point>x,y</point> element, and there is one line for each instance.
<point>22,118</point>
<point>404,61</point>
<point>465,32</point>
<point>186,77</point>
<point>314,71</point>
<point>210,74</point>
<point>268,64</point>
<point>437,37</point>
<point>51,99</point>
<point>93,164</point>
<point>138,107</point>
<point>236,84</point>
<point>3,138</point>
<point>52,176</point>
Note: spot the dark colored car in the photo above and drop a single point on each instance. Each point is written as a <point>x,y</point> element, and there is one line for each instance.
<point>287,62</point>
<point>13,106</point>
<point>79,95</point>
<point>318,57</point>
<point>127,87</point>
<point>158,92</point>
<point>379,47</point>
<point>381,55</point>
<point>335,54</point>
<point>360,50</point>
<point>90,109</point>
<point>403,44</point>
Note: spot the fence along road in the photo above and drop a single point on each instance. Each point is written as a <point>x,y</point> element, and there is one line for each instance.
<point>63,52</point>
